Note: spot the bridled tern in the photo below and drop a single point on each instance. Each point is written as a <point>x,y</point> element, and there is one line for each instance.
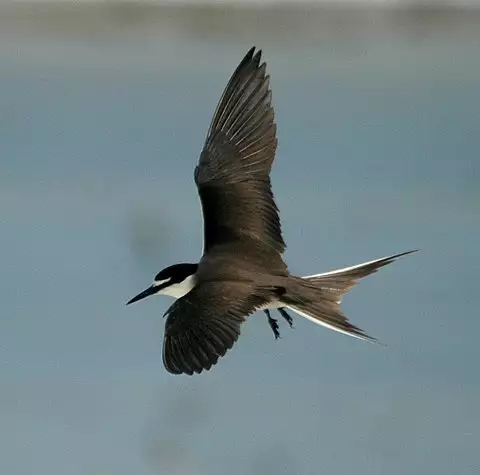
<point>242,268</point>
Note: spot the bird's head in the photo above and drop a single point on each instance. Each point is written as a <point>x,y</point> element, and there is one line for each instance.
<point>175,281</point>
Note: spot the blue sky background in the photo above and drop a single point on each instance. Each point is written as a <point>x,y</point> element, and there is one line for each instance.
<point>102,118</point>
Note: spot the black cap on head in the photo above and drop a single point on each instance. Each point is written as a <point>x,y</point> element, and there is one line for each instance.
<point>176,273</point>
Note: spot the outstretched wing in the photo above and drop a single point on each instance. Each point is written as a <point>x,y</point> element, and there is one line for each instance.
<point>233,171</point>
<point>204,324</point>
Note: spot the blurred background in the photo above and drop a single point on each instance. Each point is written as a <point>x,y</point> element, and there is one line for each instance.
<point>103,110</point>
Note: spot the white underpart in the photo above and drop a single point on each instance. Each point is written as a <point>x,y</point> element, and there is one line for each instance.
<point>177,290</point>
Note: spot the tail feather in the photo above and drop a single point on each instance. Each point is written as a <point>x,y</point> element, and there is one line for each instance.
<point>325,318</point>
<point>342,280</point>
<point>318,297</point>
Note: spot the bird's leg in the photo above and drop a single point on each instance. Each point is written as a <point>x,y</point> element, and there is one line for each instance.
<point>286,316</point>
<point>273,324</point>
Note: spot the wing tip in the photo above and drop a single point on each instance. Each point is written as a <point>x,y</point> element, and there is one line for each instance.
<point>254,55</point>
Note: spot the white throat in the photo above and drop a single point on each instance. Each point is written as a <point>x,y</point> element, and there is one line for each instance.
<point>180,289</point>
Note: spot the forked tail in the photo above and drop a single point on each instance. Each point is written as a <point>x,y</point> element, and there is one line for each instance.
<point>318,297</point>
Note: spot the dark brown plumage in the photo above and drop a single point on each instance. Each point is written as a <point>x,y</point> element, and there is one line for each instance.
<point>242,268</point>
<point>240,221</point>
<point>205,323</point>
<point>233,172</point>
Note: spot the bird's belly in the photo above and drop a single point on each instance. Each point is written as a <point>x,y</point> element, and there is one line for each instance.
<point>271,305</point>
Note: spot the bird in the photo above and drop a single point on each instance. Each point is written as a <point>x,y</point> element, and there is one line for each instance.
<point>242,269</point>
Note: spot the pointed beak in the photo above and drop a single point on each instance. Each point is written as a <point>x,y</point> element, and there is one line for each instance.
<point>146,293</point>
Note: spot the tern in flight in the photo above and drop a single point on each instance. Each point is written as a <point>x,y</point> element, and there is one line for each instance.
<point>242,268</point>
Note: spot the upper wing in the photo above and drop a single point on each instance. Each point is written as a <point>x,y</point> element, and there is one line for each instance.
<point>233,171</point>
<point>202,325</point>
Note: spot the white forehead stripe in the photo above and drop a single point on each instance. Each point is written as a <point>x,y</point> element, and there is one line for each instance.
<point>160,282</point>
